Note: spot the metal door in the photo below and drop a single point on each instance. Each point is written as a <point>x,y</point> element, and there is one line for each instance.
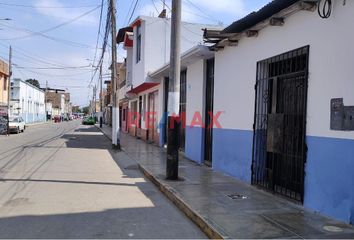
<point>279,147</point>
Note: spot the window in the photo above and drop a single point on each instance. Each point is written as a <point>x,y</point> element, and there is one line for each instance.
<point>5,83</point>
<point>138,44</point>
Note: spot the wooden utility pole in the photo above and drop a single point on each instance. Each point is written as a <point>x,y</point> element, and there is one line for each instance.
<point>9,91</point>
<point>174,94</point>
<point>115,109</point>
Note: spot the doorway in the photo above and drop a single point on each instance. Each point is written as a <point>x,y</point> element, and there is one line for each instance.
<point>182,110</point>
<point>209,108</point>
<point>279,147</point>
<point>152,118</point>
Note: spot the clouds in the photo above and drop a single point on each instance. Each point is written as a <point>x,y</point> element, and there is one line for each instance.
<point>55,9</point>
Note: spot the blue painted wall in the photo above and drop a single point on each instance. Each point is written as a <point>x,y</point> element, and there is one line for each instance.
<point>329,179</point>
<point>232,152</point>
<point>194,149</point>
<point>33,118</point>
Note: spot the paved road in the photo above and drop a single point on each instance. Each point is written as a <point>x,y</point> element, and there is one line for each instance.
<point>61,181</point>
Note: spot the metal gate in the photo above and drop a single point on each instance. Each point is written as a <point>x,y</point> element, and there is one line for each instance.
<point>279,147</point>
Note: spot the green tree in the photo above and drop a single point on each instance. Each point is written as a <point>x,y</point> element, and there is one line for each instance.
<point>34,82</point>
<point>86,110</point>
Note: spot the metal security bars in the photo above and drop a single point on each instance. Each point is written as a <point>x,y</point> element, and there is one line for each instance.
<point>279,147</point>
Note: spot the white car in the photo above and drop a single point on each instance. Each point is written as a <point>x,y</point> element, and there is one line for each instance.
<point>17,124</point>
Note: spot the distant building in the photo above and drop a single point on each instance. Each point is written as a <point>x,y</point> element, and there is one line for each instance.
<point>58,102</point>
<point>4,76</point>
<point>27,101</point>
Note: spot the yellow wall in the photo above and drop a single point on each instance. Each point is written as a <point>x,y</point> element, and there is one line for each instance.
<point>4,71</point>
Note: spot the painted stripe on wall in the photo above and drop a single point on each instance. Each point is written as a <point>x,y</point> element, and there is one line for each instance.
<point>329,179</point>
<point>232,152</point>
<point>194,149</point>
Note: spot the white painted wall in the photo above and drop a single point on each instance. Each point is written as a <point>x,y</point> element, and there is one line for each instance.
<point>129,67</point>
<point>195,90</point>
<point>331,72</point>
<point>156,35</point>
<point>30,99</point>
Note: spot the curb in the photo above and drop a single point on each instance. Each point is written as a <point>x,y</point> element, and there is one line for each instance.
<point>207,228</point>
<point>38,124</point>
<point>171,194</point>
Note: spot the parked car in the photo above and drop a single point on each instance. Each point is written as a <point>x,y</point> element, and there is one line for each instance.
<point>89,121</point>
<point>57,119</point>
<point>17,124</point>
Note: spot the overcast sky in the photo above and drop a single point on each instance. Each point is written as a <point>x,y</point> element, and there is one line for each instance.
<point>54,40</point>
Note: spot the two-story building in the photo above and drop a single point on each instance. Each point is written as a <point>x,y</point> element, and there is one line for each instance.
<point>147,44</point>
<point>27,101</point>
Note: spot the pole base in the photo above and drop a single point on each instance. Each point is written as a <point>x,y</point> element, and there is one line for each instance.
<point>116,147</point>
<point>172,148</point>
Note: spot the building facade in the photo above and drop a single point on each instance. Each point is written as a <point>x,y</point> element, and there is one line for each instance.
<point>4,77</point>
<point>27,101</point>
<point>282,85</point>
<point>147,43</point>
<point>58,101</point>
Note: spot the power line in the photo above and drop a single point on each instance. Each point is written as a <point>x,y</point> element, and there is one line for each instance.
<point>36,6</point>
<point>207,16</point>
<point>56,68</point>
<point>126,18</point>
<point>63,41</point>
<point>31,56</point>
<point>99,31</point>
<point>104,45</point>
<point>34,33</point>
<point>136,3</point>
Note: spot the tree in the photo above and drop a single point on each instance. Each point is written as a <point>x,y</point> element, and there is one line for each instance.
<point>86,110</point>
<point>34,82</point>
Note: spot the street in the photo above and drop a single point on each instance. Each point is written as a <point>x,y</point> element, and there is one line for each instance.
<point>64,181</point>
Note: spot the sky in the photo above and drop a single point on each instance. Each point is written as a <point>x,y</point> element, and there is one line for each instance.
<point>54,41</point>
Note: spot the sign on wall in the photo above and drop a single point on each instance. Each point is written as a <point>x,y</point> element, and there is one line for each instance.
<point>3,119</point>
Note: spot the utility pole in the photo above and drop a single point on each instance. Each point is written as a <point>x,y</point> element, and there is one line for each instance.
<point>173,93</point>
<point>101,100</point>
<point>45,101</point>
<point>115,110</point>
<point>9,91</point>
<point>94,99</point>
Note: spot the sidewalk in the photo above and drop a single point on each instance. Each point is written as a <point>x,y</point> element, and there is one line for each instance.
<point>226,208</point>
<point>38,123</point>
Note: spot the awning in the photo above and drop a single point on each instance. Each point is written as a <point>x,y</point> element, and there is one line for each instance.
<point>142,87</point>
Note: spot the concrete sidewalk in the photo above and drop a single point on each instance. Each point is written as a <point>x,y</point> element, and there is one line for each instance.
<point>226,208</point>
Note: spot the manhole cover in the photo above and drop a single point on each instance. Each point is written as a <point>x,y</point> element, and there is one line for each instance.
<point>332,229</point>
<point>237,196</point>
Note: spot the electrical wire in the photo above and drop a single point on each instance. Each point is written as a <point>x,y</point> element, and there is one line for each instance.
<point>56,68</point>
<point>36,6</point>
<point>324,8</point>
<point>98,33</point>
<point>126,18</point>
<point>55,39</point>
<point>131,16</point>
<point>206,16</point>
<point>34,33</point>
